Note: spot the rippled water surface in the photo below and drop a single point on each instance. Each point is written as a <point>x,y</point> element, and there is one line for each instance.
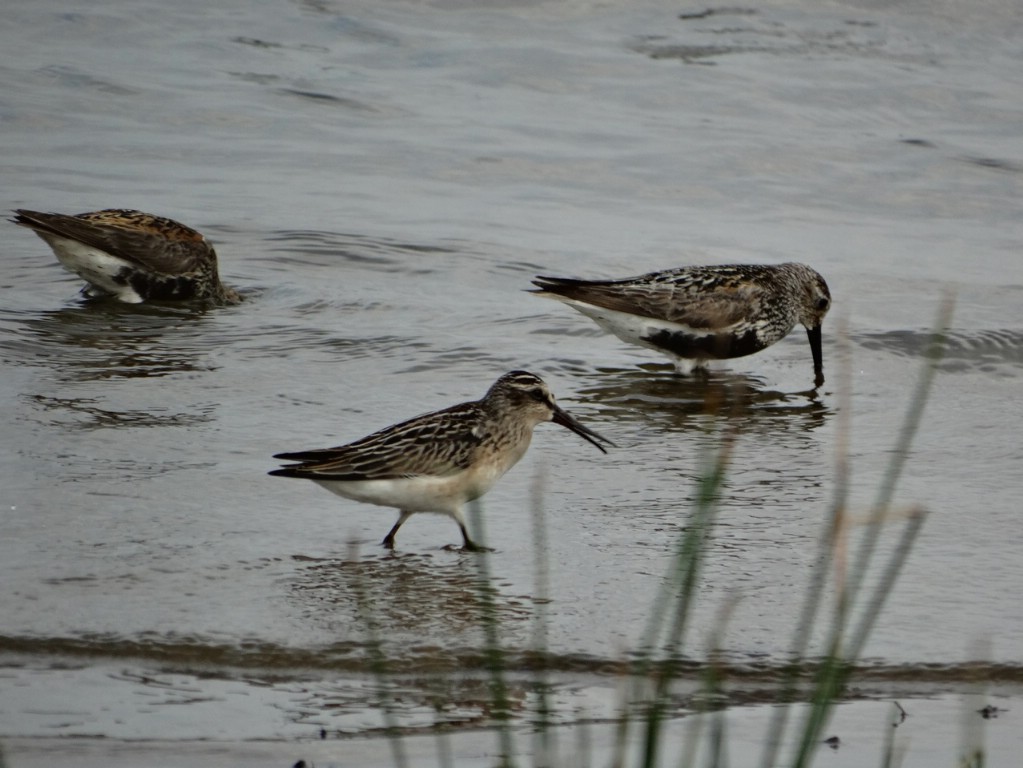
<point>381,181</point>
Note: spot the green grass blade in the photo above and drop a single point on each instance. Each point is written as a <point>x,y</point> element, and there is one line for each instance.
<point>493,654</point>
<point>377,661</point>
<point>843,650</point>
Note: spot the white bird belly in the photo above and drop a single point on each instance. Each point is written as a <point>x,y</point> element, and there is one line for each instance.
<point>635,329</point>
<point>445,494</point>
<point>421,493</point>
<point>94,266</point>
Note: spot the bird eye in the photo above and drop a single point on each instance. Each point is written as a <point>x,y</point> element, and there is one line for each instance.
<point>822,304</point>
<point>538,394</point>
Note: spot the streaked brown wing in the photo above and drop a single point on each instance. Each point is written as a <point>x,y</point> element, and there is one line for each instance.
<point>685,304</point>
<point>153,242</point>
<point>440,443</point>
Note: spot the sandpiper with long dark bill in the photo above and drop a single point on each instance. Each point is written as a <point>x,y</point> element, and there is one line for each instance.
<point>440,461</point>
<point>696,314</point>
<point>132,256</point>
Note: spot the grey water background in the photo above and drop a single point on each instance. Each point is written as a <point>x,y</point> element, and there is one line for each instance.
<point>382,180</point>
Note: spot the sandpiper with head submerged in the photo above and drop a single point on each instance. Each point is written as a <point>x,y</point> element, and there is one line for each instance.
<point>132,256</point>
<point>440,461</point>
<point>695,314</point>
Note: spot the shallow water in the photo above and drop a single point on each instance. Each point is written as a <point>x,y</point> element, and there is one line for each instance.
<point>381,181</point>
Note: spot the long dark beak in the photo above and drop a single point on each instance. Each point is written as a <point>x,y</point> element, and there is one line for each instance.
<point>814,335</point>
<point>587,434</point>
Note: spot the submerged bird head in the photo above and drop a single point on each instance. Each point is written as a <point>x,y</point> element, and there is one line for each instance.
<point>527,395</point>
<point>815,301</point>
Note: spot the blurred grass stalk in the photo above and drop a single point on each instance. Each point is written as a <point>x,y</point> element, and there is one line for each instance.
<point>845,641</point>
<point>847,638</point>
<point>377,661</point>
<point>544,747</point>
<point>658,661</point>
<point>661,648</point>
<point>493,654</point>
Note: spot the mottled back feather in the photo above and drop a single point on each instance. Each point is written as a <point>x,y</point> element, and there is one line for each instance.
<point>163,259</point>
<point>439,444</point>
<point>152,242</point>
<point>678,296</point>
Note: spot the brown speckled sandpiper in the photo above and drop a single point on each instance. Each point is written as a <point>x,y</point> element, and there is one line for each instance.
<point>132,256</point>
<point>695,314</point>
<point>440,461</point>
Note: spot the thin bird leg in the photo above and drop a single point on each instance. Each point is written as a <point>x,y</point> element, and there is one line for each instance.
<point>389,538</point>
<point>469,544</point>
